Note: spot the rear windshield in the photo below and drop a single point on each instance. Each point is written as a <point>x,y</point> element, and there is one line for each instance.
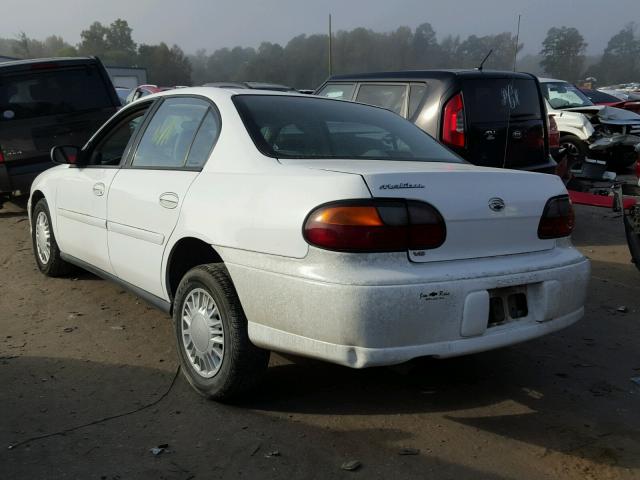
<point>494,99</point>
<point>49,92</point>
<point>307,127</point>
<point>600,97</point>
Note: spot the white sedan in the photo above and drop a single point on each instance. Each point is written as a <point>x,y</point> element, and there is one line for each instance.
<point>267,221</point>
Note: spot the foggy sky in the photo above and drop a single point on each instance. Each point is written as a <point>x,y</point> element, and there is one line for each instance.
<point>212,24</point>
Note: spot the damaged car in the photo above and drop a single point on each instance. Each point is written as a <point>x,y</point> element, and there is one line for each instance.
<point>614,99</point>
<point>599,132</point>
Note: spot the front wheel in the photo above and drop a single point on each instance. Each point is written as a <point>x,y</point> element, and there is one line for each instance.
<point>216,355</point>
<point>45,247</point>
<point>575,149</point>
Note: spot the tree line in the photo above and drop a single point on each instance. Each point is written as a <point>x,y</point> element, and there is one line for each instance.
<point>303,61</point>
<point>114,45</point>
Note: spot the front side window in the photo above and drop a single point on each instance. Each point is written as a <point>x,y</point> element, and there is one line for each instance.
<point>564,95</point>
<point>338,91</point>
<point>170,133</point>
<point>391,97</point>
<point>311,127</point>
<point>111,148</point>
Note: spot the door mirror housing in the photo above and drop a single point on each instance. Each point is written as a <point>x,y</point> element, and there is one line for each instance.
<point>66,154</point>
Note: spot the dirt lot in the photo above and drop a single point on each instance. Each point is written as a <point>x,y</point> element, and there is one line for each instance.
<point>78,349</point>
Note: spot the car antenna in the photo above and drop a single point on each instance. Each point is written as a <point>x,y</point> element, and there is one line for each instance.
<point>485,59</point>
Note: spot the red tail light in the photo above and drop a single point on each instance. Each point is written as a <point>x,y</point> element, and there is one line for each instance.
<point>558,218</point>
<point>375,226</point>
<point>554,133</point>
<point>1,156</point>
<point>638,167</point>
<point>453,128</point>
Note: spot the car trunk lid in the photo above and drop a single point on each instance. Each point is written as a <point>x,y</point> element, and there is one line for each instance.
<point>464,195</point>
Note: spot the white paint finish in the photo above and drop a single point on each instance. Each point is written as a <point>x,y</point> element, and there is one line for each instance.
<point>137,233</point>
<point>553,296</point>
<point>361,357</point>
<point>139,225</point>
<point>263,211</point>
<point>461,193</point>
<point>475,314</point>
<point>400,313</point>
<point>82,218</point>
<point>84,234</point>
<point>353,309</point>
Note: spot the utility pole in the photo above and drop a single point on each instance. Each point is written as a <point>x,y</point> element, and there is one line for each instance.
<point>515,53</point>
<point>330,58</point>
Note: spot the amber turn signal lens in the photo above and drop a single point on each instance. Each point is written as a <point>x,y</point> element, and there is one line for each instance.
<point>363,216</point>
<point>381,225</point>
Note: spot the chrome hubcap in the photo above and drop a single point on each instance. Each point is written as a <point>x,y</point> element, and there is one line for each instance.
<point>202,333</point>
<point>43,238</point>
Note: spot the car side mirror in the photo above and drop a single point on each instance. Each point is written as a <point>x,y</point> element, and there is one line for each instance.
<point>66,154</point>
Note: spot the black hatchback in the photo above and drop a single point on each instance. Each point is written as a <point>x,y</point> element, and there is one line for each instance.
<point>47,102</point>
<point>489,118</point>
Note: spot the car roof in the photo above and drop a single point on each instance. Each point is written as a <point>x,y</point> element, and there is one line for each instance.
<point>216,93</point>
<point>550,80</point>
<point>60,61</point>
<point>409,75</point>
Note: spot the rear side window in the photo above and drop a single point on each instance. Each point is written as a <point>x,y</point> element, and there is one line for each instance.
<point>170,133</point>
<point>311,127</point>
<point>338,91</point>
<point>204,141</point>
<point>494,99</point>
<point>50,92</point>
<point>391,97</point>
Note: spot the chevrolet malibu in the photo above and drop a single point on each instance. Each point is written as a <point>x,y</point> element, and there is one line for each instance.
<point>273,221</point>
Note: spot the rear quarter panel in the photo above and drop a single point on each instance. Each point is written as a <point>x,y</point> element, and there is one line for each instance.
<point>261,211</point>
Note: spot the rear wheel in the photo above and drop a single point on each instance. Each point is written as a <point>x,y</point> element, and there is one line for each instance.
<point>45,247</point>
<point>217,357</point>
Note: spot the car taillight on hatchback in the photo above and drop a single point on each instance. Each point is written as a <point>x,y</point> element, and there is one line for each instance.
<point>376,225</point>
<point>453,128</point>
<point>558,218</point>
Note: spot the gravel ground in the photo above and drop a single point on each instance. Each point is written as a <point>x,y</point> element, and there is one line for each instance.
<point>78,349</point>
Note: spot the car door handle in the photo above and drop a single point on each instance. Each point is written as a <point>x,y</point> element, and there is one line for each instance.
<point>169,200</point>
<point>98,189</point>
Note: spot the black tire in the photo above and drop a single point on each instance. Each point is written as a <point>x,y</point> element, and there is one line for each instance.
<point>576,150</point>
<point>54,266</point>
<point>243,364</point>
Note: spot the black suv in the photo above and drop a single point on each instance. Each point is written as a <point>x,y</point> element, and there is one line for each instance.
<point>47,102</point>
<point>489,118</point>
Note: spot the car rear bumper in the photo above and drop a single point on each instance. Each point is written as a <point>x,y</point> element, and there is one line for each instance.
<point>361,357</point>
<point>371,315</point>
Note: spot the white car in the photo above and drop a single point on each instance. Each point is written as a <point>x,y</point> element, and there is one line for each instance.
<point>275,221</point>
